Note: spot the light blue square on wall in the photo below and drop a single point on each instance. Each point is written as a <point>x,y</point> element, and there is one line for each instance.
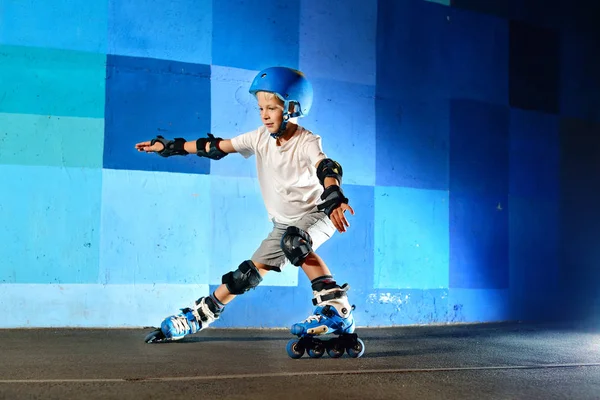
<point>233,111</point>
<point>49,224</point>
<point>155,228</point>
<point>178,30</point>
<point>411,238</point>
<point>65,24</point>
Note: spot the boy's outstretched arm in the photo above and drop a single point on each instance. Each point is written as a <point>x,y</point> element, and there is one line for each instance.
<point>334,202</point>
<point>210,147</point>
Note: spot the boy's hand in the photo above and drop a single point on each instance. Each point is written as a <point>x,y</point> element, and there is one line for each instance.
<point>339,219</point>
<point>145,146</point>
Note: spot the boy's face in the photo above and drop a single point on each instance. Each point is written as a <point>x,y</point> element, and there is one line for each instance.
<point>271,110</point>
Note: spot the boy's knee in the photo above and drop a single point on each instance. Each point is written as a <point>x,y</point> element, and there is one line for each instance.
<point>245,277</point>
<point>296,245</point>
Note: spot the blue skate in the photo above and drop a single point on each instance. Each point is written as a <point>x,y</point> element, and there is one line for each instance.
<point>187,322</point>
<point>332,316</point>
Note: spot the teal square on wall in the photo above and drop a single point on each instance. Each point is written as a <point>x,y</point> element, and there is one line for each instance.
<point>443,2</point>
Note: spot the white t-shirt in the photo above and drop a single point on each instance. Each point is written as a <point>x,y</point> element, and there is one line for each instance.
<point>286,174</point>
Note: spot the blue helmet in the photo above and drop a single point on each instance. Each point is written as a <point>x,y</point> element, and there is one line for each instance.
<point>290,85</point>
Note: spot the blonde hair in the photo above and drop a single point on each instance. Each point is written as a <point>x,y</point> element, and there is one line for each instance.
<point>269,96</point>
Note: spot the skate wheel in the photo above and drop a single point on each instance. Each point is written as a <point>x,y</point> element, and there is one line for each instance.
<point>155,336</point>
<point>294,349</point>
<point>335,351</point>
<point>357,350</point>
<point>316,351</point>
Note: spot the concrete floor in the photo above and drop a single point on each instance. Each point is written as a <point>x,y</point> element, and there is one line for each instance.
<point>490,361</point>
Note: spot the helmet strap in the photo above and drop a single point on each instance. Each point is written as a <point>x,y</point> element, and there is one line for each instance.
<point>282,127</point>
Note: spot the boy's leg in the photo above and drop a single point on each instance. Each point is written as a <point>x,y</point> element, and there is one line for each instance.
<point>314,266</point>
<point>208,309</point>
<point>333,312</point>
<point>247,276</point>
<point>224,296</point>
<point>332,315</point>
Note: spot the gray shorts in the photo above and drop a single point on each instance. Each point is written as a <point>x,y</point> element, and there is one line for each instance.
<point>316,223</point>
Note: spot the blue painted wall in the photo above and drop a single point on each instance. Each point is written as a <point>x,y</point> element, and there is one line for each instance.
<point>460,125</point>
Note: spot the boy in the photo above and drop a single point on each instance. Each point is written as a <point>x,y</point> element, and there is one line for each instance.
<point>301,190</point>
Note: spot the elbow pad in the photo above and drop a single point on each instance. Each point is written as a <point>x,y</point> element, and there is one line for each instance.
<point>329,168</point>
<point>213,152</point>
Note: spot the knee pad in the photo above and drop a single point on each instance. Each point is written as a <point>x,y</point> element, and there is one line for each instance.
<point>244,278</point>
<point>296,245</point>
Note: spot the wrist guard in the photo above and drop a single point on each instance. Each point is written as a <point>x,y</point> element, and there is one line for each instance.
<point>213,152</point>
<point>332,197</point>
<point>172,147</point>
